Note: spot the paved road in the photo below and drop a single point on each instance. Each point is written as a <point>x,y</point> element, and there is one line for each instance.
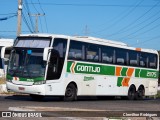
<point>82,103</point>
<point>19,102</point>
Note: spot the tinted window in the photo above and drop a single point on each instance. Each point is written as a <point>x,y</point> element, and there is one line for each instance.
<point>92,52</point>
<point>152,62</point>
<point>133,58</point>
<point>111,55</point>
<point>76,51</point>
<point>143,60</point>
<point>107,54</point>
<point>121,56</point>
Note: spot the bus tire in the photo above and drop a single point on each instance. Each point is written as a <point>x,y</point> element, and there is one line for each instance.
<point>70,93</point>
<point>131,93</point>
<point>140,94</point>
<point>36,97</point>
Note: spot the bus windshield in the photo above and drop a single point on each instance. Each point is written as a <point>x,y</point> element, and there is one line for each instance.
<point>26,63</point>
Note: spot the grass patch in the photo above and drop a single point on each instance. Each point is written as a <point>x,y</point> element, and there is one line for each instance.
<point>2,80</point>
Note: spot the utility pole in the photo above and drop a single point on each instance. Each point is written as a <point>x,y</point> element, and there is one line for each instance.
<point>19,21</point>
<point>36,21</point>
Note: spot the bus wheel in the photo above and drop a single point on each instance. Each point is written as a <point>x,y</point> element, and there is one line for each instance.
<point>131,93</point>
<point>140,94</point>
<point>71,93</point>
<point>36,97</point>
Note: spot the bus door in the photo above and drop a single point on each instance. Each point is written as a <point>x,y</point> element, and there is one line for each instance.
<point>54,70</point>
<point>55,65</point>
<point>57,57</point>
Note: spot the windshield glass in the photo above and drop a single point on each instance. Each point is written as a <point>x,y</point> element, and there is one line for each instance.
<point>26,63</point>
<point>33,42</point>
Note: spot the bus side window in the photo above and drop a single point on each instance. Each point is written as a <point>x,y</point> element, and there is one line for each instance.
<point>92,53</point>
<point>76,51</point>
<point>152,61</point>
<point>133,58</point>
<point>143,60</point>
<point>107,54</point>
<point>121,56</point>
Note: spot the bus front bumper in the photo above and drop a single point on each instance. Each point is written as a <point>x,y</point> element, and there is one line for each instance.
<point>30,89</point>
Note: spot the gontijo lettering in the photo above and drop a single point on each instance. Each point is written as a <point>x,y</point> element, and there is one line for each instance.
<point>88,68</point>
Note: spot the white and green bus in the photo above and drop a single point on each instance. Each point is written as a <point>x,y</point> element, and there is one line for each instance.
<point>58,65</point>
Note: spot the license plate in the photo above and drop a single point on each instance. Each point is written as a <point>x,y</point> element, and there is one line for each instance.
<point>21,88</point>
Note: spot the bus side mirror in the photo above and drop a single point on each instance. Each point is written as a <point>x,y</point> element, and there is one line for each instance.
<point>46,53</point>
<point>3,50</point>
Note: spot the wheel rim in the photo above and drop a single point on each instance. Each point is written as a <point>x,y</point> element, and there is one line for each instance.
<point>140,92</point>
<point>131,93</point>
<point>69,92</point>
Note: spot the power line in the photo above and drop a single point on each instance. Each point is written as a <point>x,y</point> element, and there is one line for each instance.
<point>146,40</point>
<point>40,18</point>
<point>121,18</point>
<point>141,28</point>
<point>44,15</point>
<point>39,15</point>
<point>36,16</point>
<point>6,18</point>
<point>90,5</point>
<point>9,14</point>
<point>147,30</point>
<point>135,26</point>
<point>26,22</point>
<point>133,22</point>
<point>34,7</point>
<point>28,12</point>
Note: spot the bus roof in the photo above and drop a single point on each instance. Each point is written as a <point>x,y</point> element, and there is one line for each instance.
<point>78,37</point>
<point>93,40</point>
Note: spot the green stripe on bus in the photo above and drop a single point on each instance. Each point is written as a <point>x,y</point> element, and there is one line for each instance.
<point>36,79</point>
<point>85,68</point>
<point>137,71</point>
<point>119,82</point>
<point>124,72</point>
<point>146,73</point>
<point>90,69</point>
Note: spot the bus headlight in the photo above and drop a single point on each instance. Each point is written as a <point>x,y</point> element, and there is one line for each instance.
<point>39,82</point>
